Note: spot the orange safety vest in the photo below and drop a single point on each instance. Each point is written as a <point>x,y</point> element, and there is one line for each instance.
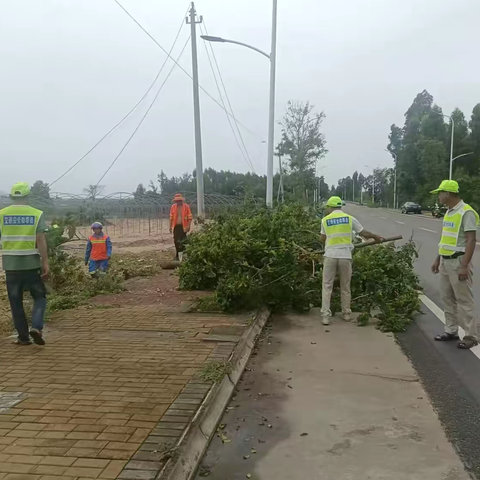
<point>99,247</point>
<point>186,215</point>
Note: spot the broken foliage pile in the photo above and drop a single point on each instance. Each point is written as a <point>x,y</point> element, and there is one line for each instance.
<point>257,256</point>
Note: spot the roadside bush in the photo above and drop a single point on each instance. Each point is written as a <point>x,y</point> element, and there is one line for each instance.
<point>260,256</point>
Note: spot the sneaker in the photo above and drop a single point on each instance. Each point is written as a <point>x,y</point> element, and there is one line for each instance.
<point>325,321</point>
<point>347,317</point>
<point>22,342</point>
<point>37,336</point>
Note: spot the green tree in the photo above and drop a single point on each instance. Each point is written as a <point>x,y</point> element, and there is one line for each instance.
<point>474,140</point>
<point>433,163</point>
<point>40,190</point>
<point>302,144</point>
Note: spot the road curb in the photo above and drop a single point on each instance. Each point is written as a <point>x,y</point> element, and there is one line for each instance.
<point>196,439</point>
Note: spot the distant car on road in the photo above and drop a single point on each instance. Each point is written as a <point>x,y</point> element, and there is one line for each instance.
<point>411,207</point>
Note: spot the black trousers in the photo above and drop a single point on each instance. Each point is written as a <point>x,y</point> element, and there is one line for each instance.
<point>17,283</point>
<point>179,236</point>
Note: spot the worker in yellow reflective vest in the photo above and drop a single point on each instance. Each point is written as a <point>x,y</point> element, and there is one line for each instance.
<point>337,234</point>
<point>25,261</point>
<point>454,263</point>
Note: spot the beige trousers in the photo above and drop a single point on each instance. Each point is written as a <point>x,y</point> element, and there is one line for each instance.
<point>330,268</point>
<point>457,297</point>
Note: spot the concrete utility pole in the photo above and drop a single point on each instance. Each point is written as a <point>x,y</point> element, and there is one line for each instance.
<point>196,112</point>
<point>271,108</point>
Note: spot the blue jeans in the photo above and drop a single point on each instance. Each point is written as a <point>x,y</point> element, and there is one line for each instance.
<point>94,265</point>
<point>17,283</point>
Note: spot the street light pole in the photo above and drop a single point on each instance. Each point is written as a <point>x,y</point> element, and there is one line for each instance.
<point>196,112</point>
<point>395,198</point>
<point>451,147</point>
<point>271,107</point>
<point>271,101</point>
<point>462,155</point>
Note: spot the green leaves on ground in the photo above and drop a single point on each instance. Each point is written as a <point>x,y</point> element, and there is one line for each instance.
<point>215,371</point>
<point>257,257</point>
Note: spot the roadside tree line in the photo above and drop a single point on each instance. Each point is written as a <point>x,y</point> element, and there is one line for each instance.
<point>422,152</point>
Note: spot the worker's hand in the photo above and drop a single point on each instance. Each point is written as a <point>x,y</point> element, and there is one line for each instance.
<point>463,274</point>
<point>436,266</point>
<point>45,270</point>
<point>187,229</point>
<point>379,239</point>
<point>170,230</point>
<point>86,262</point>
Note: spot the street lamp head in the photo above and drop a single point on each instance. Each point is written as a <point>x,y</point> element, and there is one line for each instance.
<point>209,38</point>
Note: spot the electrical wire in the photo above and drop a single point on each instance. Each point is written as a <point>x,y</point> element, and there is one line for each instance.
<point>181,68</point>
<point>145,114</point>
<point>245,154</point>
<point>130,112</point>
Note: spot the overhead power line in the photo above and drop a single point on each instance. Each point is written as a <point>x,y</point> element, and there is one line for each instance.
<point>181,68</point>
<point>130,112</point>
<point>243,151</point>
<point>145,114</point>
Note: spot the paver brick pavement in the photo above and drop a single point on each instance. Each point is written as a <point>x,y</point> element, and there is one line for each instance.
<point>111,388</point>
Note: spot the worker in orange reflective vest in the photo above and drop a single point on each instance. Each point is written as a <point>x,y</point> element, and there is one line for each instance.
<point>99,250</point>
<point>180,222</point>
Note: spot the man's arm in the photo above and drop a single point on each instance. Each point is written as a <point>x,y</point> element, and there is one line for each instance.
<point>469,223</point>
<point>189,218</point>
<point>357,228</point>
<point>109,247</point>
<point>366,234</point>
<point>88,251</point>
<point>42,248</point>
<point>172,216</point>
<point>323,236</point>
<point>471,238</point>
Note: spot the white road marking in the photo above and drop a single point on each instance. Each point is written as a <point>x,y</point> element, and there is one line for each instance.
<point>427,230</point>
<point>438,312</point>
<point>401,223</point>
<point>383,218</point>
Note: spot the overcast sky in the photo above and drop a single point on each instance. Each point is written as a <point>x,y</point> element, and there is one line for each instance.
<point>72,68</point>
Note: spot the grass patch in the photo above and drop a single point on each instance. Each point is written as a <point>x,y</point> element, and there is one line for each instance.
<point>208,304</point>
<point>215,371</point>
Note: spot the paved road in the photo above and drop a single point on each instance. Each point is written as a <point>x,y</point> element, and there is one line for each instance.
<point>425,232</point>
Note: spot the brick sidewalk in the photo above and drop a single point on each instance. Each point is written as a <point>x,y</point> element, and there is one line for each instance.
<point>94,400</point>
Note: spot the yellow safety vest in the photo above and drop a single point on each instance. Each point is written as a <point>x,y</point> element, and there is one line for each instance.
<point>451,227</point>
<point>18,227</point>
<point>338,229</point>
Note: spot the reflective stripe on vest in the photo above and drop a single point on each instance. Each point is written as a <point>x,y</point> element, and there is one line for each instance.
<point>18,227</point>
<point>451,228</point>
<point>338,228</point>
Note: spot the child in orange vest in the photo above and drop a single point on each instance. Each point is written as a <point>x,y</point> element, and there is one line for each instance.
<point>99,250</point>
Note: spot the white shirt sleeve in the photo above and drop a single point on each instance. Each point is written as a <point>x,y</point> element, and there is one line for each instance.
<point>357,226</point>
<point>469,222</point>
